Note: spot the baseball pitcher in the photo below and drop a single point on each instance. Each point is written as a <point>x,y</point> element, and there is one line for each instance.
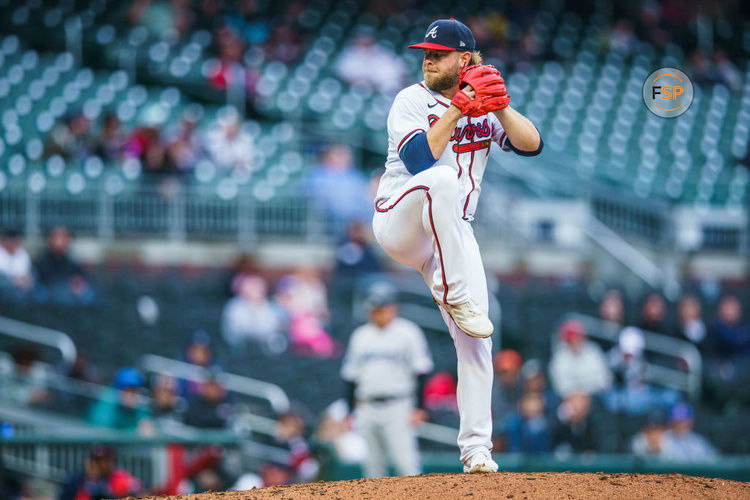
<point>439,136</point>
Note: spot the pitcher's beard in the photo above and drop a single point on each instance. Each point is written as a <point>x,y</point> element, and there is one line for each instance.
<point>442,83</point>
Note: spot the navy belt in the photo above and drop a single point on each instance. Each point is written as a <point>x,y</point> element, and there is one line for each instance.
<point>384,399</point>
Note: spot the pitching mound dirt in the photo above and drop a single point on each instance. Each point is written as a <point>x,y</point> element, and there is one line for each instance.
<point>503,485</point>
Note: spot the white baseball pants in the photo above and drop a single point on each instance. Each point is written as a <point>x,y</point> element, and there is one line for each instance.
<point>422,227</point>
<point>387,429</point>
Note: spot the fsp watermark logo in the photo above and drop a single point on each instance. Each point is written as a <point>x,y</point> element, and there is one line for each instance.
<point>668,92</point>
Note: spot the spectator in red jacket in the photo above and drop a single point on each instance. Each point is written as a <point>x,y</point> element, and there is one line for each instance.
<point>290,431</point>
<point>100,478</point>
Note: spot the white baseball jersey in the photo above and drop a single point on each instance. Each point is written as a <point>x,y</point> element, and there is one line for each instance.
<point>384,362</point>
<point>415,110</point>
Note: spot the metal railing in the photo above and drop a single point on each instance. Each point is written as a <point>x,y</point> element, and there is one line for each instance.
<point>437,433</point>
<point>55,461</point>
<point>611,216</point>
<point>644,219</point>
<point>54,456</point>
<point>181,211</point>
<point>688,381</point>
<point>51,445</point>
<point>625,253</point>
<point>39,335</point>
<point>245,211</point>
<point>62,396</point>
<point>68,398</point>
<point>273,394</point>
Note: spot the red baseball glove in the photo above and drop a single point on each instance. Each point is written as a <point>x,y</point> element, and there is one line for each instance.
<point>490,92</point>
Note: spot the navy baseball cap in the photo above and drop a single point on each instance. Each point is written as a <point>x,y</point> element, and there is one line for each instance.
<point>381,294</point>
<point>447,34</point>
<point>680,413</point>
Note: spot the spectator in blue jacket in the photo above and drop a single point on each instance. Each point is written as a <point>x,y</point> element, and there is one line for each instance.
<point>340,188</point>
<point>528,429</point>
<point>731,335</point>
<point>681,444</point>
<point>728,367</point>
<point>122,406</point>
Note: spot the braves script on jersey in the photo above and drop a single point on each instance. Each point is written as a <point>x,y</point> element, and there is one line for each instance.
<point>415,110</point>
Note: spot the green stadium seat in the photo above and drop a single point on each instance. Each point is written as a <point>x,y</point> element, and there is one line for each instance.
<point>75,183</point>
<point>55,166</point>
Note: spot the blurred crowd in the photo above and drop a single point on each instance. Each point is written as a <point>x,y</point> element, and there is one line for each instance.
<point>234,28</point>
<point>288,315</point>
<point>587,398</point>
<point>705,32</point>
<point>600,391</point>
<point>196,150</point>
<point>150,148</point>
<point>611,384</point>
<point>295,312</point>
<point>249,32</point>
<point>511,39</point>
<point>53,276</point>
<point>148,407</point>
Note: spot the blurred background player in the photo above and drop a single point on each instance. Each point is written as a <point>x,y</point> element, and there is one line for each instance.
<point>385,366</point>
